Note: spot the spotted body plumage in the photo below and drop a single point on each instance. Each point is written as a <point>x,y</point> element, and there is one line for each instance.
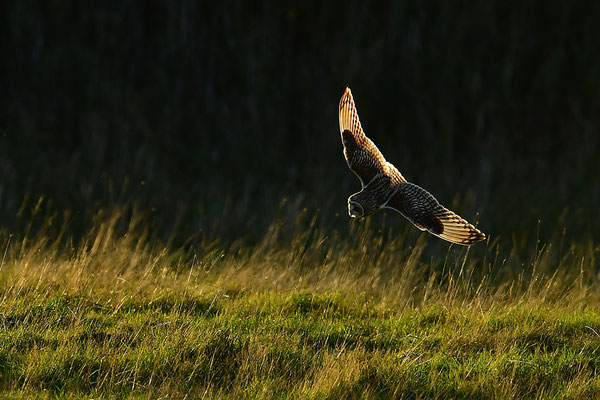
<point>383,186</point>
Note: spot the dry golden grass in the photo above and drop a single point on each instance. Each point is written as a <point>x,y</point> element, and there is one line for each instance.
<point>303,314</point>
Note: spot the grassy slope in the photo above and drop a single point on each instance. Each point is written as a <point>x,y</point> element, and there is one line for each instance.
<point>324,317</point>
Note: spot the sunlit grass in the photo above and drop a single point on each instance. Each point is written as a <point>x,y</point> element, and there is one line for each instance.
<point>305,313</point>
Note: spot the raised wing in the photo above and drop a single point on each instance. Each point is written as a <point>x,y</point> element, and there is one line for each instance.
<point>362,156</point>
<point>423,210</point>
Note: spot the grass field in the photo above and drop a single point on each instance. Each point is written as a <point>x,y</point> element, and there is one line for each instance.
<point>304,314</point>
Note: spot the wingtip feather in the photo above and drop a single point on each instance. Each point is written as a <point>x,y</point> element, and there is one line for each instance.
<point>347,113</point>
<point>459,231</point>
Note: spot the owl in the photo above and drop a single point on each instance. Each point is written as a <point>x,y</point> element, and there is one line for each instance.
<point>383,186</point>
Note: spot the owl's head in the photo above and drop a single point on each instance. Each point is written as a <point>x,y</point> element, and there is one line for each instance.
<point>362,204</point>
<point>355,209</point>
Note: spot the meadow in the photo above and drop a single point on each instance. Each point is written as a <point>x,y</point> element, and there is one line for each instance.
<point>372,312</point>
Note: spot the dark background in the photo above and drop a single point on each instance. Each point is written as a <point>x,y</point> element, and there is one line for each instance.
<point>206,115</point>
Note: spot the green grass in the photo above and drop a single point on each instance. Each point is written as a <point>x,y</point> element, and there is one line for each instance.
<point>304,314</point>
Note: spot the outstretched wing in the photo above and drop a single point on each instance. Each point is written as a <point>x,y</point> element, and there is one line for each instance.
<point>423,210</point>
<point>394,174</point>
<point>362,156</point>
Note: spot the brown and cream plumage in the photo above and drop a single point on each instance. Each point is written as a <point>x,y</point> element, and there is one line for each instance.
<point>383,186</point>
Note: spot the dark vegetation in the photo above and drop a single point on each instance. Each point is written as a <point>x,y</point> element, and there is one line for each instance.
<point>197,110</point>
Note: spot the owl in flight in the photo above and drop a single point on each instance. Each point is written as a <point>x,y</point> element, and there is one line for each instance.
<point>383,186</point>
